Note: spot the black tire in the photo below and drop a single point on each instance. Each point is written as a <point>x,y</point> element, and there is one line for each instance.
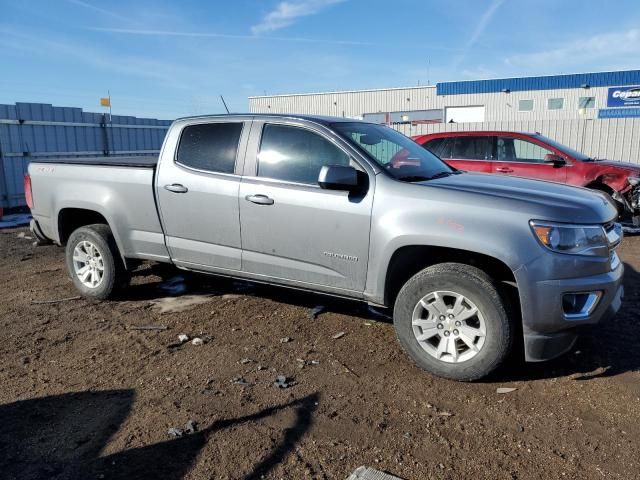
<point>114,273</point>
<point>476,286</point>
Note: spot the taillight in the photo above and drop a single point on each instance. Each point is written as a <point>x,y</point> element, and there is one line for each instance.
<point>27,191</point>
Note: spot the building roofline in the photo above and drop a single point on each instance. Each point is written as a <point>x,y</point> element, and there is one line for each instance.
<point>541,76</point>
<point>448,82</point>
<point>343,91</point>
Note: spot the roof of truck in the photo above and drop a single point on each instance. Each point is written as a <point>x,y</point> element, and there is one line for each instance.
<point>324,119</point>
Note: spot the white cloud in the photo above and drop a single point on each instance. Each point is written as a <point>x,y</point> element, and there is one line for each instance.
<point>479,30</point>
<point>609,50</point>
<point>102,11</point>
<point>183,33</point>
<point>286,13</point>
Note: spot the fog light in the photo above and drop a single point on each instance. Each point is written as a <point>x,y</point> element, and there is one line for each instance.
<point>578,306</point>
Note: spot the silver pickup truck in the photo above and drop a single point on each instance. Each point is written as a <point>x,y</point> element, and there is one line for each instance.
<point>472,265</point>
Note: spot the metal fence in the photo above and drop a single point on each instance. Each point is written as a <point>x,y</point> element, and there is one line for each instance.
<point>611,139</point>
<point>30,131</point>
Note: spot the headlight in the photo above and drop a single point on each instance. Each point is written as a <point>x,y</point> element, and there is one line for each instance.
<point>633,180</point>
<point>573,239</point>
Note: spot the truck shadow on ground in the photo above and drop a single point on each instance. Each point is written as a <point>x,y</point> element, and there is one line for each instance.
<point>61,437</point>
<point>601,351</point>
<point>195,283</point>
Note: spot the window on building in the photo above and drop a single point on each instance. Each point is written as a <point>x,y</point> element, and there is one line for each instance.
<point>525,105</point>
<point>587,102</point>
<point>555,103</point>
<point>518,150</point>
<point>296,155</point>
<point>210,146</point>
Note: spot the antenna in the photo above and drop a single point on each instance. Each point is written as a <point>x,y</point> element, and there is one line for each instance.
<point>225,104</point>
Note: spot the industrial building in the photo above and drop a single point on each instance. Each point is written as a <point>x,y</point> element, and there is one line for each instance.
<point>598,113</point>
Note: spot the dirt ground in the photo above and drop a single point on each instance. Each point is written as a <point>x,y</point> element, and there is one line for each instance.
<point>85,396</point>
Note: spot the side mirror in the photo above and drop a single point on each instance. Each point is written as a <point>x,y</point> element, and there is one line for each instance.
<point>557,160</point>
<point>337,177</point>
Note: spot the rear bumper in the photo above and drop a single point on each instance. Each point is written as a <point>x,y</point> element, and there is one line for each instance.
<point>548,332</point>
<point>41,238</point>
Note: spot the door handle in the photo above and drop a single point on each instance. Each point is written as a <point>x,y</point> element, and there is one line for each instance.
<point>176,188</point>
<point>259,199</point>
<point>504,170</point>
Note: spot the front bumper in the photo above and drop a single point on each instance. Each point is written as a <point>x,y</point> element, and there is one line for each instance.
<point>548,332</point>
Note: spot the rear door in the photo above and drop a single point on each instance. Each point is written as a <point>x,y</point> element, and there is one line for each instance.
<point>197,193</point>
<point>467,152</point>
<point>524,158</point>
<point>293,231</point>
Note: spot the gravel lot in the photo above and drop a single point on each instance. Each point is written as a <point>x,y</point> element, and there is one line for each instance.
<point>85,396</point>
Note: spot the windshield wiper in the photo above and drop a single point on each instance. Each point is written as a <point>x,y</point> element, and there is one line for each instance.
<point>440,175</point>
<point>413,178</point>
<point>423,178</point>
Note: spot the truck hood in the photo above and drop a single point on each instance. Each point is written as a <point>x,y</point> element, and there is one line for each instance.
<point>542,200</point>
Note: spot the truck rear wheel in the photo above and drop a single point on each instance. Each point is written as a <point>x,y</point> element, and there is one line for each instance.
<point>452,322</point>
<point>94,262</point>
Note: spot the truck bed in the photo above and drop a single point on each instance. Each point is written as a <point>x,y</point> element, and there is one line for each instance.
<point>138,161</point>
<point>120,189</point>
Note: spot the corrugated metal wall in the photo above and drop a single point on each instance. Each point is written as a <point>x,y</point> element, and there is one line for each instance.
<point>547,82</point>
<point>34,130</point>
<point>498,106</point>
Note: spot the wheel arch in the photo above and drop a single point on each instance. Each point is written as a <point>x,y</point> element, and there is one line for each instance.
<point>408,260</point>
<point>70,219</point>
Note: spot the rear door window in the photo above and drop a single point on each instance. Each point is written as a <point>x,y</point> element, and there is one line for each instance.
<point>211,147</point>
<point>472,148</point>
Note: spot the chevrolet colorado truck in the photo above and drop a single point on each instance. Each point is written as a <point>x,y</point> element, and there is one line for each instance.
<point>533,155</point>
<point>472,265</point>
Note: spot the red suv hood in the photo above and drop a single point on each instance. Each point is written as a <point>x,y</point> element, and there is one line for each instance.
<point>631,168</point>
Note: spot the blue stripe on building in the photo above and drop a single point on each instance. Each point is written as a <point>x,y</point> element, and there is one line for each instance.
<point>618,112</point>
<point>578,80</point>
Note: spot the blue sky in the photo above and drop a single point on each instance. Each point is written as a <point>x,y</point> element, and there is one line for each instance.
<point>166,59</point>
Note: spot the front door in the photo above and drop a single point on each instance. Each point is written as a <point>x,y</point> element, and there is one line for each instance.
<point>292,230</point>
<point>198,196</point>
<point>523,158</point>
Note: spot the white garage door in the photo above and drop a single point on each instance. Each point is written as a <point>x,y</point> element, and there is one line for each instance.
<point>464,114</point>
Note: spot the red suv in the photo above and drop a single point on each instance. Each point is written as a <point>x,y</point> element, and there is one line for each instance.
<point>536,156</point>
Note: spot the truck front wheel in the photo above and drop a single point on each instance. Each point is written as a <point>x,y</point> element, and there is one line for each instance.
<point>94,262</point>
<point>452,322</point>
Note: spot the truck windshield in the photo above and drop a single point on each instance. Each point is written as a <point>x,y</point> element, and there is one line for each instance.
<point>399,155</point>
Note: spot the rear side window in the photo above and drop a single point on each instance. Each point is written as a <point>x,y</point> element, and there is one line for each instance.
<point>470,148</point>
<point>210,146</point>
<point>296,155</point>
<point>434,145</point>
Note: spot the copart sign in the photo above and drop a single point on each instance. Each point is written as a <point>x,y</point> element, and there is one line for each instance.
<point>623,97</point>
